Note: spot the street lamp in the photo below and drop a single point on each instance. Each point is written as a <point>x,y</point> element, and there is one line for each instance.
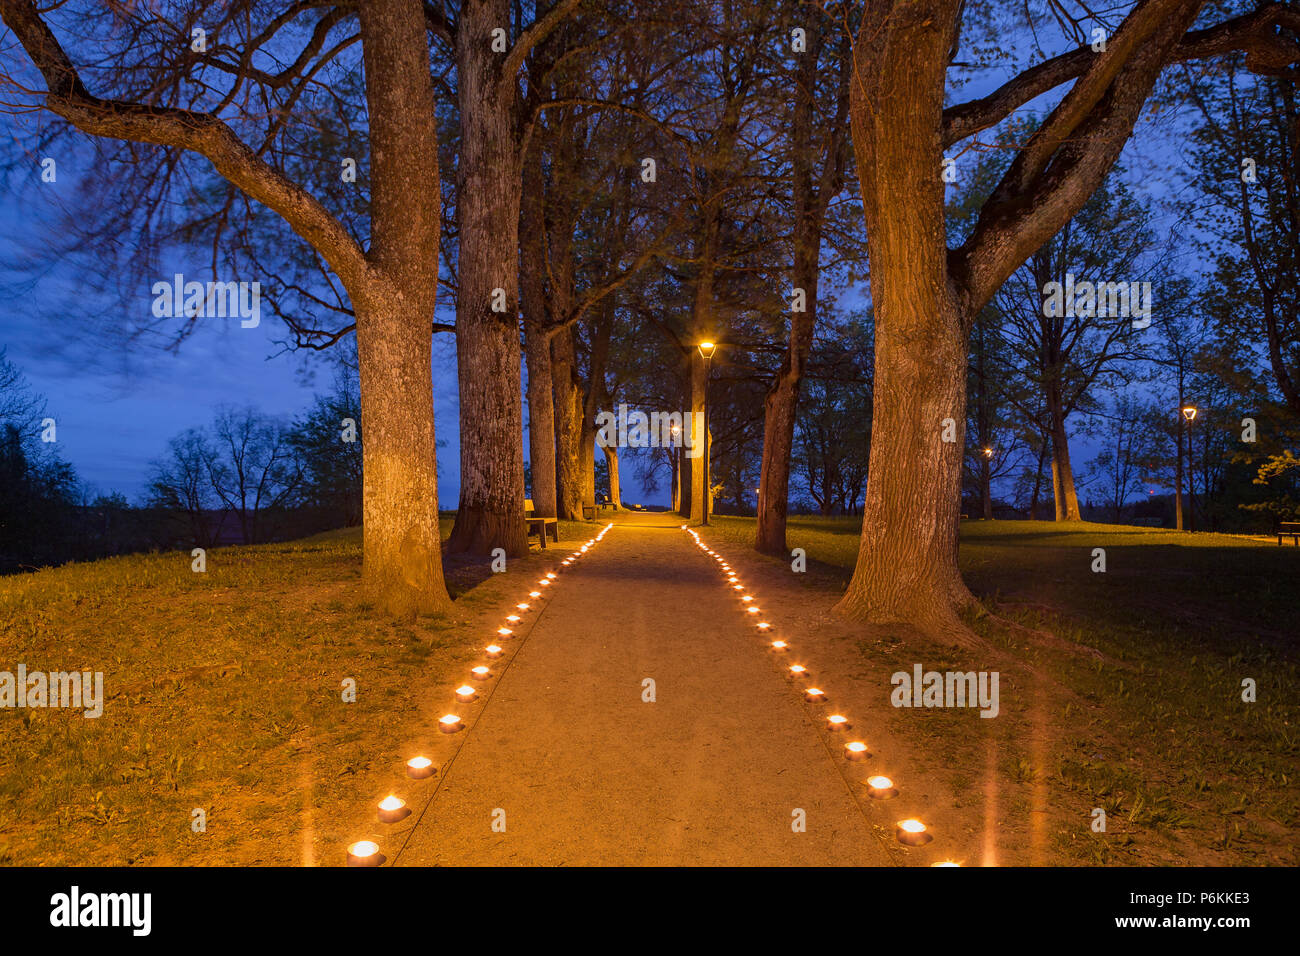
<point>986,479</point>
<point>706,350</point>
<point>1189,413</point>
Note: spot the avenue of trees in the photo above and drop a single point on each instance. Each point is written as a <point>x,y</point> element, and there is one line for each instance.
<point>595,188</point>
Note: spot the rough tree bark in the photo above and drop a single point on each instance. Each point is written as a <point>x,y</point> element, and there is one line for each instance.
<point>392,288</point>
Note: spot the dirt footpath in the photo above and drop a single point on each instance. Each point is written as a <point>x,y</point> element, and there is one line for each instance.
<point>568,764</point>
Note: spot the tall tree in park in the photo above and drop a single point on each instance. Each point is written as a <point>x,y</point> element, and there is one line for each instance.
<point>216,105</point>
<point>1246,155</point>
<point>493,129</point>
<point>1066,347</point>
<point>818,146</point>
<point>926,295</point>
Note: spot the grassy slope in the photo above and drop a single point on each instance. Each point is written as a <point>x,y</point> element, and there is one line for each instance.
<point>1156,733</point>
<point>259,738</point>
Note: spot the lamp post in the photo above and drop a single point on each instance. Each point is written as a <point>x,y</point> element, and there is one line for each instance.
<point>1189,413</point>
<point>706,351</point>
<point>986,467</point>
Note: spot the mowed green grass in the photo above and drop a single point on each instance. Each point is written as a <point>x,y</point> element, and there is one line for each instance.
<point>223,692</point>
<point>1155,731</point>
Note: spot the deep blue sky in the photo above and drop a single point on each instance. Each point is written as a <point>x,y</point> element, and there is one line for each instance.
<point>116,410</point>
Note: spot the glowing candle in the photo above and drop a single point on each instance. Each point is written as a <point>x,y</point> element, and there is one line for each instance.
<point>837,722</point>
<point>945,863</point>
<point>798,670</point>
<point>855,750</point>
<point>504,631</point>
<point>779,645</point>
<point>364,853</point>
<point>513,618</point>
<point>534,594</point>
<point>420,767</point>
<point>550,575</point>
<point>881,787</point>
<point>493,650</point>
<point>522,607</point>
<point>480,672</point>
<point>746,598</point>
<point>912,833</point>
<point>738,587</point>
<point>753,610</point>
<point>763,625</point>
<point>814,694</point>
<point>449,723</point>
<point>391,809</point>
<point>465,693</point>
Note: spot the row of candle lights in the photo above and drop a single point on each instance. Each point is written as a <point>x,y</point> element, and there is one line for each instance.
<point>910,832</point>
<point>393,809</point>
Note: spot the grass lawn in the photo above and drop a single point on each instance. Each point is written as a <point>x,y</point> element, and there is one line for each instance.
<point>222,692</point>
<point>1153,728</point>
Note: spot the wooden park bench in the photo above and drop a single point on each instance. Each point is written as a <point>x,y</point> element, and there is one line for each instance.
<point>1289,528</point>
<point>537,525</point>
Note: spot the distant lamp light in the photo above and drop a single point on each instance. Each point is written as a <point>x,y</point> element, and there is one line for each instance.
<point>364,853</point>
<point>418,768</point>
<point>988,452</point>
<point>912,833</point>
<point>449,723</point>
<point>392,809</point>
<point>707,349</point>
<point>881,787</point>
<point>1189,412</point>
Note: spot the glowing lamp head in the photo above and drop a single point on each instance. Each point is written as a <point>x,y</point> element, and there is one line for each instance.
<point>912,833</point>
<point>419,767</point>
<point>988,452</point>
<point>1189,412</point>
<point>364,853</point>
<point>449,723</point>
<point>707,349</point>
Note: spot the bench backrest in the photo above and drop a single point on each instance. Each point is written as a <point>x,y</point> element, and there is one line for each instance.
<point>528,507</point>
<point>1289,526</point>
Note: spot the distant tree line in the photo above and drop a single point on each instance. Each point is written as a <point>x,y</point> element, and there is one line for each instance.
<point>245,478</point>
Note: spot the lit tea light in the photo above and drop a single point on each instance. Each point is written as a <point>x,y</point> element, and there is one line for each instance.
<point>534,594</point>
<point>522,607</point>
<point>779,645</point>
<point>493,650</point>
<point>763,625</point>
<point>798,670</point>
<point>513,618</point>
<point>364,853</point>
<point>837,722</point>
<point>945,863</point>
<point>565,562</point>
<point>747,598</point>
<point>481,672</point>
<point>583,549</point>
<point>912,833</point>
<point>465,693</point>
<point>504,631</point>
<point>550,575</point>
<point>420,767</point>
<point>814,694</point>
<point>881,787</point>
<point>391,809</point>
<point>737,586</point>
<point>753,610</point>
<point>449,723</point>
<point>855,750</point>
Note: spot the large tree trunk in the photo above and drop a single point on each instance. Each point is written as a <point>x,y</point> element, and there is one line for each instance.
<point>1067,499</point>
<point>568,426</point>
<point>487,342</point>
<point>537,344</point>
<point>402,556</point>
<point>907,571</point>
<point>615,486</point>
